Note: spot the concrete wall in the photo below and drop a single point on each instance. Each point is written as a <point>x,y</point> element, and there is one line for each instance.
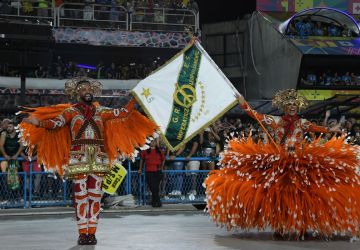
<point>214,43</point>
<point>276,59</point>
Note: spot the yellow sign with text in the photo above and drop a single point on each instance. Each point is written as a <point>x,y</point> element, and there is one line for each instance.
<point>113,179</point>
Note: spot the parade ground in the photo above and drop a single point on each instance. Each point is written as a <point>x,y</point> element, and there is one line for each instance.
<point>140,229</point>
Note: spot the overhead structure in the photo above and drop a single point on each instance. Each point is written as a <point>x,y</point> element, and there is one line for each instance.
<point>275,60</point>
<point>323,15</point>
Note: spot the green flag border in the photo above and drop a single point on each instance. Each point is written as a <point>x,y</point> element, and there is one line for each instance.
<point>138,99</point>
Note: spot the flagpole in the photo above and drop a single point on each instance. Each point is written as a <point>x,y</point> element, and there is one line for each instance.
<point>196,41</point>
<point>263,127</point>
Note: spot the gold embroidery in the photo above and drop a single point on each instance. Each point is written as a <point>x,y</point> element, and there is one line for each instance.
<point>87,168</point>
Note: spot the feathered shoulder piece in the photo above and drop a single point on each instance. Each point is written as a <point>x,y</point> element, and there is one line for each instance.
<point>126,135</point>
<point>52,146</point>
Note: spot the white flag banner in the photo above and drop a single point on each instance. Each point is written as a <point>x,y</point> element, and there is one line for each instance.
<point>185,95</point>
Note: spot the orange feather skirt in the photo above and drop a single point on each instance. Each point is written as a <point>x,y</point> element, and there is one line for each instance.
<point>314,188</point>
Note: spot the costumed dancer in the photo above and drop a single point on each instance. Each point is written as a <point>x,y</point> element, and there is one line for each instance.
<point>81,142</point>
<point>288,184</point>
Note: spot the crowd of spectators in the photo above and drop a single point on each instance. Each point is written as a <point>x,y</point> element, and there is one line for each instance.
<point>208,143</point>
<point>154,15</point>
<point>60,69</point>
<point>15,164</point>
<point>330,78</point>
<point>304,27</point>
<point>103,9</point>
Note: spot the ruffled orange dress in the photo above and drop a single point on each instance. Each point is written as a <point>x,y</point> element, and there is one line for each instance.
<point>291,187</point>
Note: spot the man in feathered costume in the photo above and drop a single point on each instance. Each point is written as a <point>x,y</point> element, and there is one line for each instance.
<point>289,184</point>
<point>81,141</point>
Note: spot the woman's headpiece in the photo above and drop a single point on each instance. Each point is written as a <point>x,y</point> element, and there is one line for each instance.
<point>289,96</point>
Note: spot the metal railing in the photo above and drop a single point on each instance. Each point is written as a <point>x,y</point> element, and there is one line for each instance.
<point>40,189</point>
<point>163,19</point>
<point>104,16</point>
<point>33,14</point>
<point>92,16</point>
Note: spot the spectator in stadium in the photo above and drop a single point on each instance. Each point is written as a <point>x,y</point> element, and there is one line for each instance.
<point>318,29</point>
<point>100,70</point>
<point>353,78</point>
<point>123,72</point>
<point>209,140</point>
<point>10,148</point>
<point>192,149</point>
<point>193,6</point>
<point>111,71</point>
<point>53,186</point>
<point>27,7</point>
<point>347,127</point>
<point>304,27</point>
<point>94,145</point>
<point>40,72</point>
<point>88,10</point>
<point>43,8</point>
<point>4,124</point>
<point>176,182</point>
<point>103,12</point>
<point>82,73</point>
<point>16,6</point>
<point>70,70</point>
<point>154,160</point>
<point>336,79</point>
<point>328,78</point>
<point>59,66</point>
<point>58,4</point>
<point>5,8</point>
<point>358,79</point>
<point>5,69</point>
<point>311,79</point>
<point>355,134</point>
<point>346,78</point>
<point>346,32</point>
<point>31,166</point>
<point>333,30</point>
<point>114,12</point>
<point>158,17</point>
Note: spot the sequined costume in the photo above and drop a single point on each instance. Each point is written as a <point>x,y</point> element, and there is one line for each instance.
<point>87,152</point>
<point>81,141</point>
<point>292,186</point>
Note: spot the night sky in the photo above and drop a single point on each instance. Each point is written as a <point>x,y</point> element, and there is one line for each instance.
<point>224,10</point>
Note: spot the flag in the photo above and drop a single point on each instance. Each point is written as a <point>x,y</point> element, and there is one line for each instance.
<point>185,95</point>
<point>303,4</point>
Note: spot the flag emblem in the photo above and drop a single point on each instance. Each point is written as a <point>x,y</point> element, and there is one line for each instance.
<point>188,93</point>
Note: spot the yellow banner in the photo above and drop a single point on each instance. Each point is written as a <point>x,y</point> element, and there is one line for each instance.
<point>320,95</point>
<point>317,95</point>
<point>113,179</point>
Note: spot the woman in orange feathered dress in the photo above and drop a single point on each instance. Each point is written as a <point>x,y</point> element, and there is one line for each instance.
<point>81,141</point>
<point>289,184</point>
